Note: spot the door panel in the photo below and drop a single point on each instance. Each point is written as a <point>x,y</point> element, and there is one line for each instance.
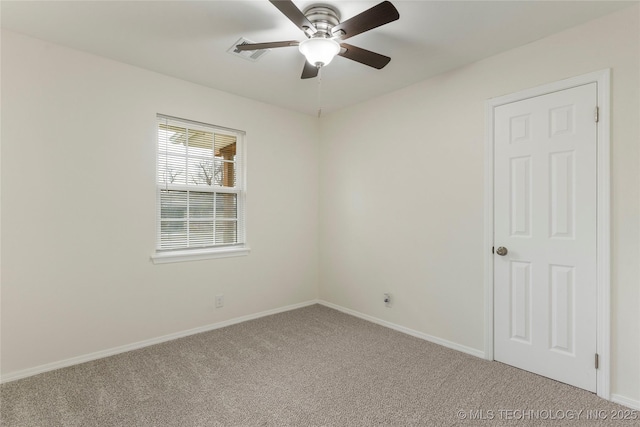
<point>521,301</point>
<point>545,214</point>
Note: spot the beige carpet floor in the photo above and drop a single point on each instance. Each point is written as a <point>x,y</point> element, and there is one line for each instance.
<point>309,367</point>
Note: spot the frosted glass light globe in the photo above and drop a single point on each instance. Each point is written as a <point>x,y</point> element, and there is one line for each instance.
<point>319,51</point>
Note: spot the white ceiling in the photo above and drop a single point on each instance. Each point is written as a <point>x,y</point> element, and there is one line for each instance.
<point>189,40</point>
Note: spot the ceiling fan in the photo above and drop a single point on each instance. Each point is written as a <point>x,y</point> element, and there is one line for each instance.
<point>325,34</point>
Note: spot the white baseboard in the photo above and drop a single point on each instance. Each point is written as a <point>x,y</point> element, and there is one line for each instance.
<point>408,331</point>
<point>622,400</point>
<point>13,376</point>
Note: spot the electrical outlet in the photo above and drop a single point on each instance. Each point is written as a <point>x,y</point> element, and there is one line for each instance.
<point>387,299</point>
<point>219,301</point>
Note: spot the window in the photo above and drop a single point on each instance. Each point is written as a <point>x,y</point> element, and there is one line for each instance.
<point>200,191</point>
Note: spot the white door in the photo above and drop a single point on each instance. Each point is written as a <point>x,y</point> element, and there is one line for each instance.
<point>545,216</point>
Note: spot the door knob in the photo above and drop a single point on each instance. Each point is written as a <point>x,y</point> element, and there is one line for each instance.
<point>502,251</point>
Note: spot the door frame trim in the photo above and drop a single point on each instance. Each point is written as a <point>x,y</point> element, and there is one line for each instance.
<point>602,79</point>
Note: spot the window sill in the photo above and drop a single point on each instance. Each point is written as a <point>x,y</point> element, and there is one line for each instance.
<point>198,254</point>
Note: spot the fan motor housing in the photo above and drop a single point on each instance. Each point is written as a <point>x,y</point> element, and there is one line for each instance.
<point>323,17</point>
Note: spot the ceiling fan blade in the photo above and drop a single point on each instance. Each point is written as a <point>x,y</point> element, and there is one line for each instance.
<point>364,56</point>
<point>309,71</point>
<point>295,15</point>
<point>269,45</point>
<point>378,15</point>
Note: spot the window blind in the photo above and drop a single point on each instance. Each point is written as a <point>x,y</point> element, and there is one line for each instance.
<point>200,185</point>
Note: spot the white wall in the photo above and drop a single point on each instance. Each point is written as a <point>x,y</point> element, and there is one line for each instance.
<point>401,199</point>
<point>78,207</point>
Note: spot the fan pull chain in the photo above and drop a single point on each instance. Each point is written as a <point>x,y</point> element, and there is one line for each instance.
<point>319,92</point>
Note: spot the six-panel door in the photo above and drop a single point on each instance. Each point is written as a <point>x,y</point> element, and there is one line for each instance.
<point>545,215</point>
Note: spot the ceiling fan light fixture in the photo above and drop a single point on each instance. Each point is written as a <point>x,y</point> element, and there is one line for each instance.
<point>319,51</point>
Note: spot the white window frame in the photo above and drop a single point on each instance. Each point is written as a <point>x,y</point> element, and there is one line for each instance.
<point>162,256</point>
